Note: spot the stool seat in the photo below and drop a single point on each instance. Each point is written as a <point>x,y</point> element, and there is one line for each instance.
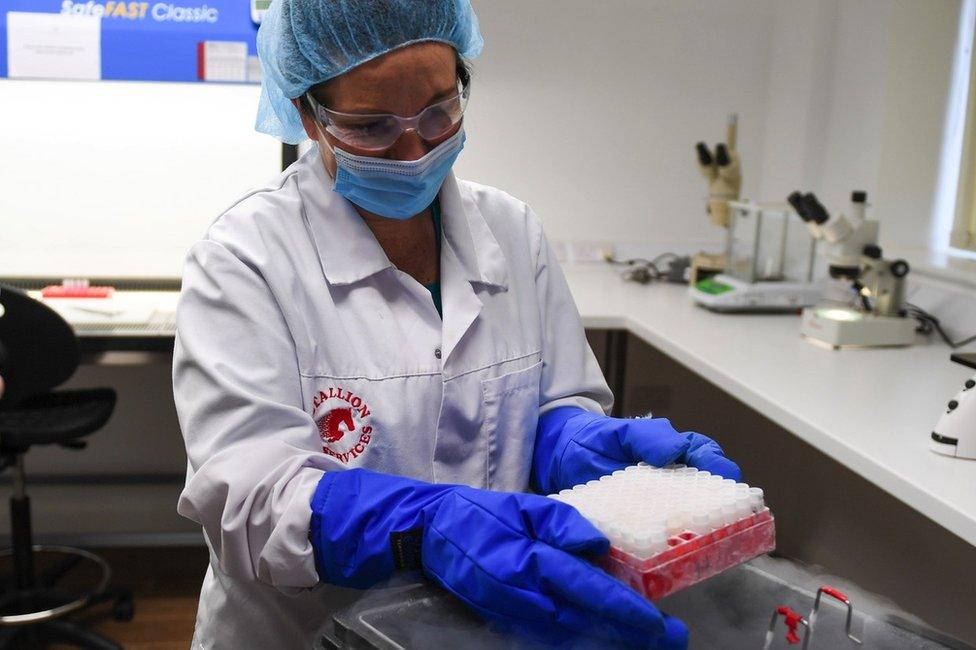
<point>55,417</point>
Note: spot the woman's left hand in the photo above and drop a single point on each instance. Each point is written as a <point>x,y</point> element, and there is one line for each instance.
<point>590,445</point>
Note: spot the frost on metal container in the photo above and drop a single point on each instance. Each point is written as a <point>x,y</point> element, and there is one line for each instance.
<point>674,526</point>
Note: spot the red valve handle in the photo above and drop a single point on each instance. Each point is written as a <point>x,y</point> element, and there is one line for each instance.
<point>836,593</point>
<point>792,620</point>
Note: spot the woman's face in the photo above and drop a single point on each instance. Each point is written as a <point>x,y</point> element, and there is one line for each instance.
<point>402,82</point>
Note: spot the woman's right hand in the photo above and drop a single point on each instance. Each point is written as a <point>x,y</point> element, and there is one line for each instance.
<point>520,561</point>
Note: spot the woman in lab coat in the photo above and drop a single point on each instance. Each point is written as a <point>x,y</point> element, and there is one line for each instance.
<point>375,361</point>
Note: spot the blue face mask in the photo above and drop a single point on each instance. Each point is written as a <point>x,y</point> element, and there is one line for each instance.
<point>396,189</point>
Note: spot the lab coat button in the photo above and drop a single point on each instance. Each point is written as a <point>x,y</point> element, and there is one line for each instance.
<point>953,404</point>
<point>970,383</point>
<point>437,352</point>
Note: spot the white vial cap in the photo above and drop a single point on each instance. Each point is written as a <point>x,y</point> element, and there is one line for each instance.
<point>756,499</point>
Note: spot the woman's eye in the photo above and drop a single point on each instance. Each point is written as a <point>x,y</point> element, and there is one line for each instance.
<point>365,127</point>
<point>437,118</point>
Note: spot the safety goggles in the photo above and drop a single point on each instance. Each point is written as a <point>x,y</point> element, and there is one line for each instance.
<point>379,131</point>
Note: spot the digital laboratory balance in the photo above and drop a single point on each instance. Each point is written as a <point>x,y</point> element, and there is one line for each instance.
<point>769,263</point>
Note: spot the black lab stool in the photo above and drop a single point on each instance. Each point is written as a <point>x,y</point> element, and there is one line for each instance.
<point>44,584</point>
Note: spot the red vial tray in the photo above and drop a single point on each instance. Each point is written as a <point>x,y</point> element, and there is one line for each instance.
<point>692,558</point>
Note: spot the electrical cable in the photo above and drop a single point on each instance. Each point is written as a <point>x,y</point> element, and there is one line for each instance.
<point>642,270</point>
<point>865,301</point>
<point>929,323</point>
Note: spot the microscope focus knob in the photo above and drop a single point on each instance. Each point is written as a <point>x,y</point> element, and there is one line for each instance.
<point>899,268</point>
<point>873,251</point>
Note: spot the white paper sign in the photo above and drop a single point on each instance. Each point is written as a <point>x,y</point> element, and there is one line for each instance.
<point>53,46</point>
<point>224,61</point>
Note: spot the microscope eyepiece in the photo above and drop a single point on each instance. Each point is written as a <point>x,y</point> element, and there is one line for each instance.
<point>704,156</point>
<point>795,199</point>
<point>815,209</point>
<point>722,155</point>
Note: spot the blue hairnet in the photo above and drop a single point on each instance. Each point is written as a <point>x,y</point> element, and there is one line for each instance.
<point>305,42</point>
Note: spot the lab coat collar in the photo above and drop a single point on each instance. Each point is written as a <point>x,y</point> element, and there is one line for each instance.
<point>349,252</point>
<point>470,255</point>
<point>467,233</point>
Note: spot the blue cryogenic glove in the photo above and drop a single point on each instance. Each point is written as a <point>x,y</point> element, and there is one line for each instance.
<point>573,446</point>
<point>518,560</point>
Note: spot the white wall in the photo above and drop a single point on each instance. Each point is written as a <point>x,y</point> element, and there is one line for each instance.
<point>833,95</point>
<point>826,98</point>
<point>590,111</point>
<point>857,101</point>
<point>921,47</point>
<point>858,94</point>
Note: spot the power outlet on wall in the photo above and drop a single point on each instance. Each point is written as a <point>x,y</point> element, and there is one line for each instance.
<point>589,251</point>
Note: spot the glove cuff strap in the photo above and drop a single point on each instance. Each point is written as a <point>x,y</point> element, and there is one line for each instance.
<point>405,546</point>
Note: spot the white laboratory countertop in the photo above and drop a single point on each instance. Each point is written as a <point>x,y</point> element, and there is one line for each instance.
<point>125,313</point>
<point>872,410</point>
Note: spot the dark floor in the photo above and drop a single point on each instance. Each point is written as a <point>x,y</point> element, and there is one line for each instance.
<point>166,584</point>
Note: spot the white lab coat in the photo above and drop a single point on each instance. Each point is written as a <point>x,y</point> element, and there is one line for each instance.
<point>300,349</point>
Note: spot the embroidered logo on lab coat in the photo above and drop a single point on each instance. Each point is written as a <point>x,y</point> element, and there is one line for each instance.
<point>342,418</point>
